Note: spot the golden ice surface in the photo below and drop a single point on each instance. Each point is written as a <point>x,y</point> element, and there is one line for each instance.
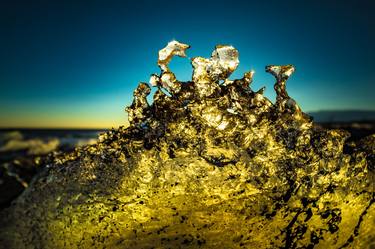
<point>209,164</point>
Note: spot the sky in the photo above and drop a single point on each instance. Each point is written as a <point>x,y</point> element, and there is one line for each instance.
<point>75,64</point>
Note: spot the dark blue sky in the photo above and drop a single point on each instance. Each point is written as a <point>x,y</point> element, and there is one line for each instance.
<point>76,63</point>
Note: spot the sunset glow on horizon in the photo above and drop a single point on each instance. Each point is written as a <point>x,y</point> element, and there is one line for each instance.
<point>75,64</point>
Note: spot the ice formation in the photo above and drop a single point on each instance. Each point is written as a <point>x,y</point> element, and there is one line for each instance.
<point>209,164</point>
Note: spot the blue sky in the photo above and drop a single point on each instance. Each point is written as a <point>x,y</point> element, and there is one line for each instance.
<point>76,63</point>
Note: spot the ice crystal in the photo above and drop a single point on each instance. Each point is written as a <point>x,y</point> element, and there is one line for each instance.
<point>210,163</point>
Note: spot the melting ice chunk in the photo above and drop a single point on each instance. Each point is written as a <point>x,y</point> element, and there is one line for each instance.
<point>281,72</point>
<point>166,54</point>
<point>226,57</point>
<point>223,61</point>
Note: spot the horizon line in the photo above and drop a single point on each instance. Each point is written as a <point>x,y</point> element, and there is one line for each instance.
<point>57,128</point>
